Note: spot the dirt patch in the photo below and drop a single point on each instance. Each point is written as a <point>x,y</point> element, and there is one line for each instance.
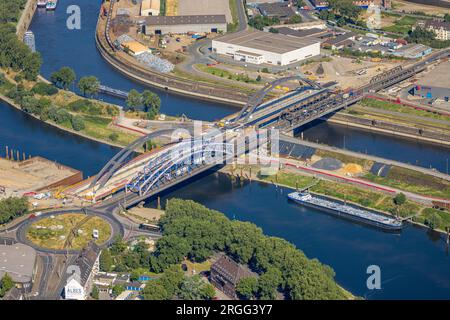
<point>352,168</point>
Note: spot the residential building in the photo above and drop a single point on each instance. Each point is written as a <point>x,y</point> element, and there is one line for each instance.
<point>226,273</point>
<point>440,28</point>
<point>184,24</point>
<point>86,266</point>
<point>259,47</point>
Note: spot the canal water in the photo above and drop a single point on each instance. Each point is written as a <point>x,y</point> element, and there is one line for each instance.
<point>414,264</point>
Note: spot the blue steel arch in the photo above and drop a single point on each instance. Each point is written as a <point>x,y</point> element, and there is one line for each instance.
<point>172,165</point>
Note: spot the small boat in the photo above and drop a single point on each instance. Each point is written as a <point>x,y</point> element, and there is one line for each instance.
<point>42,3</point>
<point>51,5</point>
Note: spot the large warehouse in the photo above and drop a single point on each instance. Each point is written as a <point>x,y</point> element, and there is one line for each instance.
<point>264,47</point>
<point>185,24</point>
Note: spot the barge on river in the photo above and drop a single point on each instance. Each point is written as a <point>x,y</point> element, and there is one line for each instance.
<point>347,211</point>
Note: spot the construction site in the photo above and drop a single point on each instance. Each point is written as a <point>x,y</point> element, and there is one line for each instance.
<point>35,177</point>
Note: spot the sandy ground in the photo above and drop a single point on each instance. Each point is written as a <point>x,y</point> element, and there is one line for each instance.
<point>438,77</point>
<point>149,214</point>
<point>343,70</point>
<point>411,7</point>
<point>200,7</point>
<point>19,178</point>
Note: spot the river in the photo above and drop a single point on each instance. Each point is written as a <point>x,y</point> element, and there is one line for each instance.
<point>414,264</point>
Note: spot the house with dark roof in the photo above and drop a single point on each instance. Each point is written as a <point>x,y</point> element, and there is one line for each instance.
<point>280,10</point>
<point>226,273</point>
<point>84,268</point>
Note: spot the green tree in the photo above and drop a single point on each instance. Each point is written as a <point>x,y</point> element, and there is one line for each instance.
<point>154,290</point>
<point>106,260</point>
<point>400,199</point>
<point>117,290</point>
<point>172,279</point>
<point>89,86</point>
<point>247,287</point>
<point>151,103</point>
<point>433,220</point>
<point>77,123</point>
<point>113,136</point>
<point>268,284</point>
<point>95,293</point>
<point>6,283</point>
<point>63,78</point>
<point>134,100</point>
<point>295,19</point>
<point>194,288</point>
<point>11,208</point>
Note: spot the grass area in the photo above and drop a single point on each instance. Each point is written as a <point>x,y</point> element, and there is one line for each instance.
<point>171,7</point>
<point>198,267</point>
<point>190,76</point>
<point>344,158</point>
<point>437,218</point>
<point>373,103</point>
<point>413,181</point>
<point>99,128</point>
<point>53,233</point>
<point>226,74</point>
<point>402,25</point>
<point>231,27</point>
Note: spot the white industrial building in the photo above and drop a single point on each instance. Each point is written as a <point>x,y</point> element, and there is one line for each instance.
<point>259,47</point>
<point>184,24</point>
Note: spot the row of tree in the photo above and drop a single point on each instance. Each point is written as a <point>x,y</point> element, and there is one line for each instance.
<point>11,208</point>
<point>149,101</point>
<point>196,232</point>
<point>16,55</point>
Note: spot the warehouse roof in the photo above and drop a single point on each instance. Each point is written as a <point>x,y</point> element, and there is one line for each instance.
<point>180,20</point>
<point>281,10</point>
<point>300,33</point>
<point>266,41</point>
<point>18,262</point>
<point>150,5</point>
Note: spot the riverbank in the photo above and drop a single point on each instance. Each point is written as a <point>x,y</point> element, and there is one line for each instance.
<point>379,200</point>
<point>12,104</point>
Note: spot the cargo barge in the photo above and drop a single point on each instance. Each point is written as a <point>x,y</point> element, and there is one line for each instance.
<point>349,212</point>
<point>42,3</point>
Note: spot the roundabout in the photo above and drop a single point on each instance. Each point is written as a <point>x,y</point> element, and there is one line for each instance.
<point>68,231</point>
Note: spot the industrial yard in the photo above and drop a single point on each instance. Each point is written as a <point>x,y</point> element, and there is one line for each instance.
<point>33,176</point>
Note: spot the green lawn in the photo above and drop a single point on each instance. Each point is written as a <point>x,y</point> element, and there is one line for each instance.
<point>402,25</point>
<point>226,74</point>
<point>413,181</point>
<point>373,103</point>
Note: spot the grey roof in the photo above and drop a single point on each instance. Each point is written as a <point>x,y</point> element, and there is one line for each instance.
<point>86,260</point>
<point>340,38</point>
<point>267,41</point>
<point>181,20</point>
<point>279,9</point>
<point>18,260</point>
<point>300,33</point>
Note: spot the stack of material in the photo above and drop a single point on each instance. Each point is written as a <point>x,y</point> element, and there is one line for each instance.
<point>328,164</point>
<point>155,63</point>
<point>124,38</point>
